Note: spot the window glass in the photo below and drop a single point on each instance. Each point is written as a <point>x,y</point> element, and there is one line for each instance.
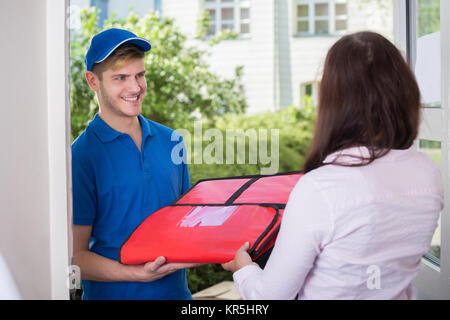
<point>308,90</point>
<point>227,26</point>
<point>321,9</point>
<point>309,94</point>
<point>245,28</point>
<point>434,150</point>
<point>321,26</point>
<point>230,14</point>
<point>427,51</point>
<point>322,17</point>
<point>303,26</point>
<point>245,13</point>
<point>212,14</point>
<point>341,25</point>
<point>428,17</point>
<point>341,9</point>
<point>227,14</point>
<point>211,29</point>
<point>303,11</point>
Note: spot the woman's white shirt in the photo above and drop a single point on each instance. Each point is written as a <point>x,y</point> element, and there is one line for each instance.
<point>352,232</point>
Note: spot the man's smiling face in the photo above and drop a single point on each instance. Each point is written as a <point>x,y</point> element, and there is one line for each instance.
<point>122,90</point>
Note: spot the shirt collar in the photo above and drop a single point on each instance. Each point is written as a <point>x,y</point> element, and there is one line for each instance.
<point>353,155</point>
<point>107,134</point>
<point>146,128</point>
<point>349,155</point>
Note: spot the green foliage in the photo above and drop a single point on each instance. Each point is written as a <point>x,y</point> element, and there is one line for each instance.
<point>82,98</point>
<point>181,86</point>
<point>435,251</point>
<point>203,24</point>
<point>429,17</point>
<point>295,133</point>
<point>205,276</point>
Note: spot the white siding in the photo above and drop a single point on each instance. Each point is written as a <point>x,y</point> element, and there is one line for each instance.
<point>283,72</point>
<point>256,54</point>
<point>120,7</point>
<point>185,12</point>
<point>375,16</point>
<point>308,53</point>
<point>276,61</point>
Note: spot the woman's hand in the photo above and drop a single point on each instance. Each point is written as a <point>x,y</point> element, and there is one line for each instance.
<point>241,259</point>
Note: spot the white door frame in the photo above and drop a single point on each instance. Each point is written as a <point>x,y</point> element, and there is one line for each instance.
<point>59,146</point>
<point>433,281</point>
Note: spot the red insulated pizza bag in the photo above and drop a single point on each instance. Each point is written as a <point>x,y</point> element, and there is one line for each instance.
<point>212,220</point>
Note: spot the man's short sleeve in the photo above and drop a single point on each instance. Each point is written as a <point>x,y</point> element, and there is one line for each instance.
<point>84,193</point>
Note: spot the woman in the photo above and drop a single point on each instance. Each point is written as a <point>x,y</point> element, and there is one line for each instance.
<point>360,219</point>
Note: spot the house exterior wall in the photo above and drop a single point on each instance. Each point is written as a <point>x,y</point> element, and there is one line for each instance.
<point>186,14</point>
<point>276,60</point>
<point>139,6</point>
<point>119,7</point>
<point>307,54</point>
<point>256,54</point>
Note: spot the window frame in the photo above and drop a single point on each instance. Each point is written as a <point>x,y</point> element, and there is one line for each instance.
<point>236,5</point>
<point>433,280</point>
<point>312,18</point>
<point>59,146</point>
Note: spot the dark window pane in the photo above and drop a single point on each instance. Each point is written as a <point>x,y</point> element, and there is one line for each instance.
<point>321,26</point>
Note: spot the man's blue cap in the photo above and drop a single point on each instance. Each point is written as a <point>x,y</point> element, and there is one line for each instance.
<point>104,43</point>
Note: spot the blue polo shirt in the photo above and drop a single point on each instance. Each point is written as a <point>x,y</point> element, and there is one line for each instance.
<point>115,187</point>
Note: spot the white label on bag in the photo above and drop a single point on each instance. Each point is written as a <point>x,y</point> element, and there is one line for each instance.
<point>207,216</point>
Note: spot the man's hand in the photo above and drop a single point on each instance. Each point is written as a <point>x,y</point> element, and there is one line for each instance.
<point>241,259</point>
<point>157,269</point>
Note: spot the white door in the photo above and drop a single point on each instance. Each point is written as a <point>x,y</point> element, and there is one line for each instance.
<point>423,32</point>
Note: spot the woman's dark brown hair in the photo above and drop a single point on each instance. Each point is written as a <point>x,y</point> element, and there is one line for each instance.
<point>368,97</point>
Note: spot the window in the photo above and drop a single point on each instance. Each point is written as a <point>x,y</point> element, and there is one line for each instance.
<point>321,17</point>
<point>434,150</point>
<point>228,15</point>
<point>427,43</point>
<point>308,94</point>
<point>426,57</point>
<point>426,53</point>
